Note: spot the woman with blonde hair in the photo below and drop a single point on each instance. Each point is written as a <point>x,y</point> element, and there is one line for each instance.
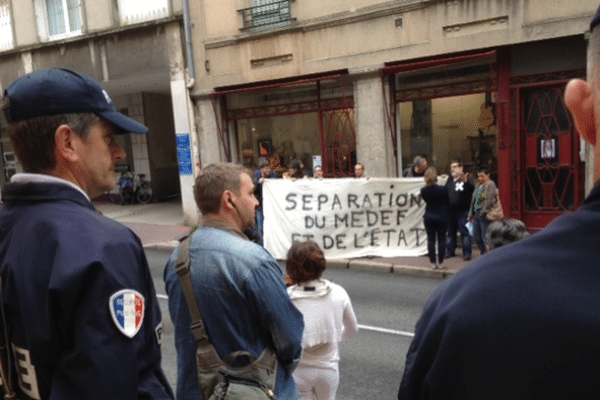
<point>329,319</point>
<point>436,217</point>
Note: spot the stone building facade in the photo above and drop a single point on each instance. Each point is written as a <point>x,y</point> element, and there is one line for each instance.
<point>331,83</point>
<point>379,82</point>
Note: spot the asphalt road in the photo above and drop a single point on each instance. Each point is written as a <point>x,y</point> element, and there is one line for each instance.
<point>387,307</point>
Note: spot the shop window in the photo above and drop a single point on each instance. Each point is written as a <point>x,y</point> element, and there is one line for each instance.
<point>279,139</point>
<point>311,123</point>
<point>6,36</point>
<point>134,11</point>
<point>445,129</point>
<point>266,14</point>
<point>446,111</point>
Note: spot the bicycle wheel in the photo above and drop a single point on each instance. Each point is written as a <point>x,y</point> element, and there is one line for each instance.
<point>144,193</point>
<point>125,196</point>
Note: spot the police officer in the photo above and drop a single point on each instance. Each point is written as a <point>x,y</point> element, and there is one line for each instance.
<point>79,302</point>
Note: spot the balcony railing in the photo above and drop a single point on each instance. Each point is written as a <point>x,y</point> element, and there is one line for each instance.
<point>135,11</point>
<point>266,15</point>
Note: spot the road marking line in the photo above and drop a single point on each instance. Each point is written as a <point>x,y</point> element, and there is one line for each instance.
<point>365,327</point>
<point>384,330</point>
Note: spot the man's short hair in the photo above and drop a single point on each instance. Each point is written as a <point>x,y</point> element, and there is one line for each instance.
<point>264,163</point>
<point>213,181</point>
<point>419,160</point>
<point>457,163</point>
<point>33,139</point>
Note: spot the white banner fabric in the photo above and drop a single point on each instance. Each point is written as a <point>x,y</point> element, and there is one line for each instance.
<point>346,217</point>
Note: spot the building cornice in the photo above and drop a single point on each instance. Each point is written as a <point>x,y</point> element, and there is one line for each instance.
<point>394,7</point>
<point>93,35</point>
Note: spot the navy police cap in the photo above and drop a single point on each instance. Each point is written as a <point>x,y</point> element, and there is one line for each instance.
<point>61,91</point>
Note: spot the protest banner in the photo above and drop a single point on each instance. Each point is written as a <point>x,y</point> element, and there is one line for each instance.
<point>346,217</point>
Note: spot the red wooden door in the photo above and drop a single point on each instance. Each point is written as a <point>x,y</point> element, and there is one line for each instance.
<point>550,167</point>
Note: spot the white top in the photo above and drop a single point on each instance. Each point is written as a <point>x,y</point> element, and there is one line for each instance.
<point>329,319</point>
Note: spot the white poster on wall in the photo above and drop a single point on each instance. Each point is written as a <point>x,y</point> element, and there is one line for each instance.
<point>346,217</point>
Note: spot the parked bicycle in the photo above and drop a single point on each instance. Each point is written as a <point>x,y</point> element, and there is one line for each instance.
<point>131,189</point>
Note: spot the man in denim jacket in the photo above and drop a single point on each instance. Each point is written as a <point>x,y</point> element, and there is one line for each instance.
<point>237,283</point>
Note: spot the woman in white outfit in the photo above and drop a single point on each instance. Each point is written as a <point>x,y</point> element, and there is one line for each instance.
<point>328,320</point>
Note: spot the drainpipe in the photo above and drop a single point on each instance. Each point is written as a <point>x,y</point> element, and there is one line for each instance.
<point>187,27</point>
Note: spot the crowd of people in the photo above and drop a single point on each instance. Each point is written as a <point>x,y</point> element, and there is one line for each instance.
<point>466,208</point>
<point>80,317</point>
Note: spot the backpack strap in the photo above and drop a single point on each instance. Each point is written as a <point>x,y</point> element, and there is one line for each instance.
<point>268,358</point>
<point>182,268</point>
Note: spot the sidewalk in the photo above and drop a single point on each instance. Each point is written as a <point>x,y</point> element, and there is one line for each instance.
<point>160,226</point>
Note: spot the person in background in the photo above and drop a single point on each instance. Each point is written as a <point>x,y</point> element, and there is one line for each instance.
<point>294,171</point>
<point>318,172</point>
<point>82,317</point>
<point>506,231</point>
<point>264,172</point>
<point>485,196</point>
<point>359,170</point>
<point>328,317</point>
<point>436,217</point>
<point>418,167</point>
<point>522,322</point>
<point>460,191</point>
<point>238,285</point>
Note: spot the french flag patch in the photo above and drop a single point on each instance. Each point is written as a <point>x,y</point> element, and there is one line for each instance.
<point>127,309</point>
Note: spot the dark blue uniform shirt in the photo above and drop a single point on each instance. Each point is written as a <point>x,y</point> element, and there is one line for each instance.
<point>520,322</point>
<point>65,271</point>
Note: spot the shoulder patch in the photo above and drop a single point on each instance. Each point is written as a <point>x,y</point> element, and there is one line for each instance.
<point>127,308</point>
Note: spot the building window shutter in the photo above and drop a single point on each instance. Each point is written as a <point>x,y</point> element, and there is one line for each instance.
<point>6,35</point>
<point>64,17</point>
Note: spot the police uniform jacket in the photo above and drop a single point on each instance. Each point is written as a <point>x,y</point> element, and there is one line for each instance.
<point>80,304</point>
<point>520,322</point>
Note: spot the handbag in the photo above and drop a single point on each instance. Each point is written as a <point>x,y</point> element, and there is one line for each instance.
<point>496,213</point>
<point>218,380</point>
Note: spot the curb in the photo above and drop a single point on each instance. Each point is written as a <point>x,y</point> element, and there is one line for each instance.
<point>370,266</point>
<point>162,246</point>
<point>409,270</point>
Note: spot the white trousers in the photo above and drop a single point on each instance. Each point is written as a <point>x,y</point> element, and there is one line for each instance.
<point>317,383</point>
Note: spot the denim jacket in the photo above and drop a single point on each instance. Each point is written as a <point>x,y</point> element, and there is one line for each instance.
<point>245,306</point>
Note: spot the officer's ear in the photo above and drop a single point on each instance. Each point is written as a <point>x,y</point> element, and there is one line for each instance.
<point>65,143</point>
<point>579,98</point>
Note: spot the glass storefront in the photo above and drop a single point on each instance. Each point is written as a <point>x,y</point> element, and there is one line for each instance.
<point>279,139</point>
<point>312,123</point>
<point>462,128</point>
